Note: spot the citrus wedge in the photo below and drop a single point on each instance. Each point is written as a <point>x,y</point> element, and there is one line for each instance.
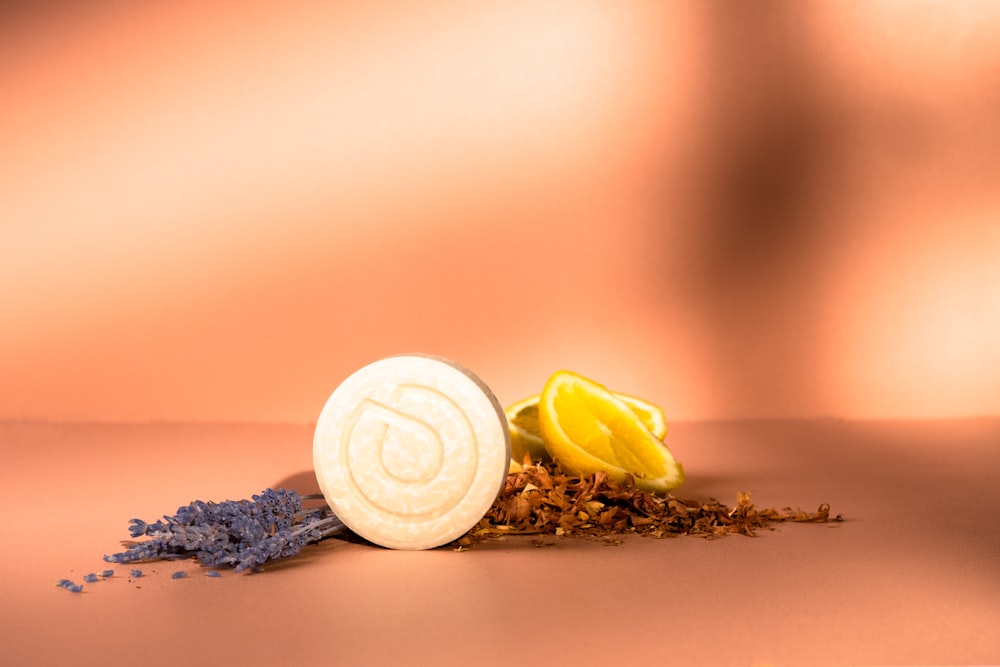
<point>526,437</point>
<point>586,429</point>
<point>651,415</point>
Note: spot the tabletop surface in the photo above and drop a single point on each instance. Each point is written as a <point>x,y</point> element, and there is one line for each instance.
<point>911,576</point>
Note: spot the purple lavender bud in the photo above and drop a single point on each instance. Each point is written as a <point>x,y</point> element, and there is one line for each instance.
<point>136,573</point>
<point>107,573</point>
<point>90,578</point>
<point>213,573</point>
<point>179,574</point>
<point>241,534</point>
<point>75,588</point>
<point>137,528</point>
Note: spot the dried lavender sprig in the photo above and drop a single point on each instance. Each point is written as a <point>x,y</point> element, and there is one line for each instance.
<point>241,534</point>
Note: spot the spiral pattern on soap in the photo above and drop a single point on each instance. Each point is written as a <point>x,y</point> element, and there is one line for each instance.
<point>414,456</point>
<point>411,451</point>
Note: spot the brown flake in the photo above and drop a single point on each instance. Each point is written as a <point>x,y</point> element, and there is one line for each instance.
<point>538,500</point>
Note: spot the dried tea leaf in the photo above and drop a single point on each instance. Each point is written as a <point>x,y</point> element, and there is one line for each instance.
<point>538,500</point>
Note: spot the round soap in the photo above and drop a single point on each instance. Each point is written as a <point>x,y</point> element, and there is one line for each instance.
<point>411,451</point>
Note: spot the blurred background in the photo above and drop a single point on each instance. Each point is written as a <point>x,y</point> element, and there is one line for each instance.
<point>219,210</point>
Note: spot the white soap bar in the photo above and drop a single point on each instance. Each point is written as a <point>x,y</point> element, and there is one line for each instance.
<point>411,451</point>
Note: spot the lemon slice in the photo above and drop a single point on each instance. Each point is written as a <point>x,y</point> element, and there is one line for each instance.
<point>651,415</point>
<point>588,429</point>
<point>526,437</point>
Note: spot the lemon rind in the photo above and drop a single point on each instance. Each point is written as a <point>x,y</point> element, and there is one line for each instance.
<point>588,463</point>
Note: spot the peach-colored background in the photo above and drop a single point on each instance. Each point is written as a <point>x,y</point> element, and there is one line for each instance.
<point>218,210</point>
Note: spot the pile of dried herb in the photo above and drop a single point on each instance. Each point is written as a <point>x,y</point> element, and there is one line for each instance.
<point>242,534</point>
<point>539,500</point>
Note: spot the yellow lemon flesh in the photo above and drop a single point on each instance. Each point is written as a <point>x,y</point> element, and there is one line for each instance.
<point>588,429</point>
<point>651,415</point>
<point>526,436</point>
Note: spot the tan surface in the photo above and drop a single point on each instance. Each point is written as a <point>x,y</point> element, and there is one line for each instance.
<point>913,576</point>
